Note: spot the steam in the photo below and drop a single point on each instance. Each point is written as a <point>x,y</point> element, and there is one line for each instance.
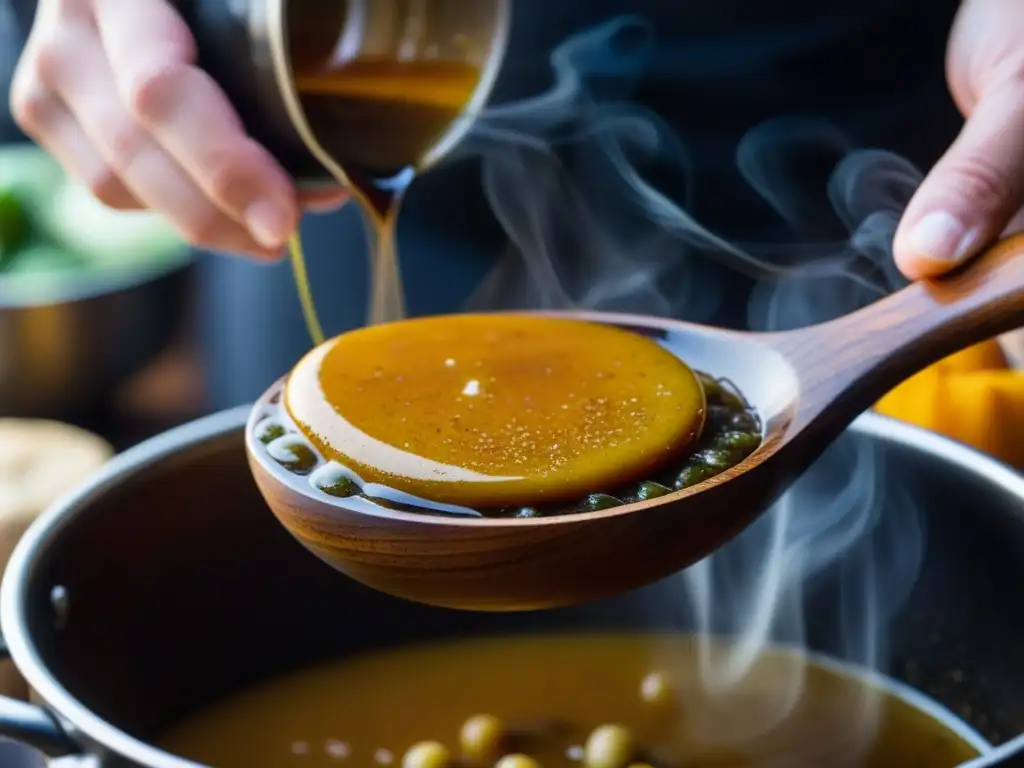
<point>569,174</point>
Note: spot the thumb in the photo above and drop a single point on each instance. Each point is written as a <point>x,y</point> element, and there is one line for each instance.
<point>972,192</point>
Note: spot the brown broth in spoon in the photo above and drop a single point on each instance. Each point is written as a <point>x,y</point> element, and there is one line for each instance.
<point>489,411</point>
<point>545,696</point>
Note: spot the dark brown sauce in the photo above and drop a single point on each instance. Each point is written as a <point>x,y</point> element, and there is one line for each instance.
<point>377,118</point>
<point>383,116</point>
<point>552,692</point>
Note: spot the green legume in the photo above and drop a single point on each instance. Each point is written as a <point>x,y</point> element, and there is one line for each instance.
<point>426,754</point>
<point>595,502</point>
<point>517,761</point>
<point>716,458</point>
<point>293,454</point>
<point>651,490</point>
<point>338,485</point>
<point>693,474</point>
<point>609,746</point>
<point>481,736</point>
<point>268,430</point>
<point>737,442</point>
<point>744,421</point>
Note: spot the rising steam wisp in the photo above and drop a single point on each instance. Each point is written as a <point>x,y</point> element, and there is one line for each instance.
<point>567,175</point>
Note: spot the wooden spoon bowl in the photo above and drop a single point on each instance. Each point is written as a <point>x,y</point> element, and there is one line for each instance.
<point>806,385</point>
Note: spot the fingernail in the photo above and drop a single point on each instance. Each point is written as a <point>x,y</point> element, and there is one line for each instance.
<point>269,224</point>
<point>940,236</point>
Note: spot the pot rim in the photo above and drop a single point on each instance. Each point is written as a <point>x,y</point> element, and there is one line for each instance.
<point>46,528</point>
<point>78,286</point>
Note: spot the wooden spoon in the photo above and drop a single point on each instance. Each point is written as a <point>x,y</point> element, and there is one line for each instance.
<point>807,385</point>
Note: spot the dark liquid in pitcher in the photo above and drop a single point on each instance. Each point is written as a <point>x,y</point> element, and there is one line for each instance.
<point>376,116</point>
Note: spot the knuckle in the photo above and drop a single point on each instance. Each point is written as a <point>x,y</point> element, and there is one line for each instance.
<point>154,90</point>
<point>47,59</point>
<point>207,228</point>
<point>108,189</point>
<point>225,180</point>
<point>1010,70</point>
<point>987,184</point>
<point>125,142</point>
<point>32,107</point>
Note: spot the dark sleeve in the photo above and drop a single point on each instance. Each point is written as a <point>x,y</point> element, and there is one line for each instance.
<point>24,13</point>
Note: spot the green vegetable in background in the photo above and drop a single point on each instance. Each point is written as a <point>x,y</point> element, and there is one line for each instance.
<point>42,260</point>
<point>30,174</point>
<point>14,225</point>
<point>74,219</point>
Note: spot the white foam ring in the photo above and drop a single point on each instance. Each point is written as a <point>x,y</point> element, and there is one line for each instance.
<point>336,430</point>
<point>325,469</point>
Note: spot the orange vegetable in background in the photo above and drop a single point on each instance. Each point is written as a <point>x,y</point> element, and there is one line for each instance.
<point>972,396</point>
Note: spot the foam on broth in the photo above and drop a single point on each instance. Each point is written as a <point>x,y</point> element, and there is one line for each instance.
<point>366,711</point>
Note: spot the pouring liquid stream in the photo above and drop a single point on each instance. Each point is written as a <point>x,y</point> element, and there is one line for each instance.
<point>384,115</point>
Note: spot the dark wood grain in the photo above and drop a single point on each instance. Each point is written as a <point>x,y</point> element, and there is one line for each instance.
<point>828,374</point>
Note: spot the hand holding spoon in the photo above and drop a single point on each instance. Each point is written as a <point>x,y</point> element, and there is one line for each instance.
<point>806,385</point>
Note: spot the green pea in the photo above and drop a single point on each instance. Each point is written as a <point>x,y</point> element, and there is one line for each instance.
<point>426,754</point>
<point>692,474</point>
<point>293,454</point>
<point>651,490</point>
<point>517,761</point>
<point>744,421</point>
<point>738,442</point>
<point>268,430</point>
<point>715,458</point>
<point>337,483</point>
<point>481,736</point>
<point>609,746</point>
<point>595,502</point>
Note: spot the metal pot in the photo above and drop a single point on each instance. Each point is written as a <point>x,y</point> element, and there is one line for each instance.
<point>244,45</point>
<point>165,584</point>
<point>62,355</point>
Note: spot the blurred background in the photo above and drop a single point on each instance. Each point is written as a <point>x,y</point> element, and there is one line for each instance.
<point>109,322</point>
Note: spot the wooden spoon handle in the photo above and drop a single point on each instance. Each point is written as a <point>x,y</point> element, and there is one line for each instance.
<point>849,363</point>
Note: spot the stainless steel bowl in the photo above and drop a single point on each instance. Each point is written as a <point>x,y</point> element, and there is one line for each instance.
<point>165,584</point>
<point>63,352</point>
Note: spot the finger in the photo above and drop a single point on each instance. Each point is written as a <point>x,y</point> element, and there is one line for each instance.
<point>86,84</point>
<point>45,118</point>
<point>42,115</point>
<point>970,195</point>
<point>152,56</point>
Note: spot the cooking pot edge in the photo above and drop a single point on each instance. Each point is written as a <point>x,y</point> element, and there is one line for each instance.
<point>36,726</point>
